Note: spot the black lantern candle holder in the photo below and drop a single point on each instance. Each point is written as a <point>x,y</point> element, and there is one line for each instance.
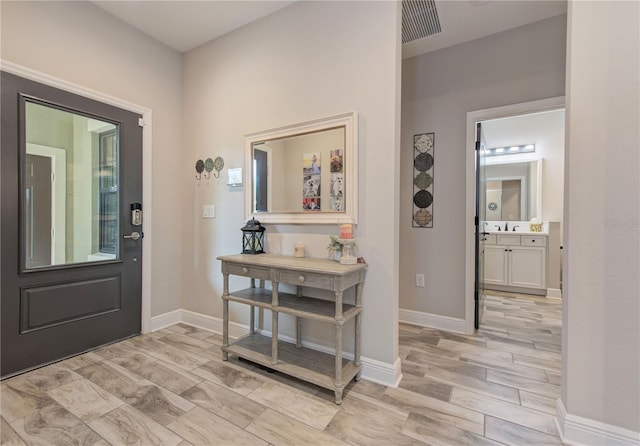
<point>253,237</point>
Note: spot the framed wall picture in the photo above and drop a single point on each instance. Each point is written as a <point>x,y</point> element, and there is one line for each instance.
<point>423,165</point>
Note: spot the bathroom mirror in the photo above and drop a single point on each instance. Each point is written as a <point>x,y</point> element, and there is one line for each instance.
<point>303,173</point>
<point>513,190</point>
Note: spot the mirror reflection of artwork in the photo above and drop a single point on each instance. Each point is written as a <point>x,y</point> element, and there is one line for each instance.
<point>311,181</point>
<point>311,186</point>
<point>311,204</point>
<point>337,192</point>
<point>335,165</point>
<point>336,188</point>
<point>311,164</point>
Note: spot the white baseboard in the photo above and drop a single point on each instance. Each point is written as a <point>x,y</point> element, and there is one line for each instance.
<point>554,293</point>
<point>165,320</point>
<point>579,431</point>
<point>372,369</point>
<point>432,321</point>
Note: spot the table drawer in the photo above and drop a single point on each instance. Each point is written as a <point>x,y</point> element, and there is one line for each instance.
<point>533,240</point>
<point>314,280</point>
<point>249,271</point>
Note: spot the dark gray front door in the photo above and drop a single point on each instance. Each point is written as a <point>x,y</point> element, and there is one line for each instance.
<point>71,169</point>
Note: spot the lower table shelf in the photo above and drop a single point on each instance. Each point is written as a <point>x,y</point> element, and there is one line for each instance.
<point>311,365</point>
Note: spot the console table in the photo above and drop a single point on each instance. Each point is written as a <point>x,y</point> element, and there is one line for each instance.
<point>325,370</point>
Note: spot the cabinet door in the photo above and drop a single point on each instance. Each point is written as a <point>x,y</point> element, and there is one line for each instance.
<point>495,265</point>
<point>528,267</point>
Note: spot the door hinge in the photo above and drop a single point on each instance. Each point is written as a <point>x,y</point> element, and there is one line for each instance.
<point>141,122</point>
<point>53,177</point>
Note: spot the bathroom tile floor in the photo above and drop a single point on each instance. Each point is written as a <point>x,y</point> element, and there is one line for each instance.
<point>171,387</point>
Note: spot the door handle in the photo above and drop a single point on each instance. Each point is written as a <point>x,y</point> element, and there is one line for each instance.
<point>135,235</point>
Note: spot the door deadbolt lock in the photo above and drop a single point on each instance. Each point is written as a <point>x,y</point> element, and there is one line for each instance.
<point>136,214</point>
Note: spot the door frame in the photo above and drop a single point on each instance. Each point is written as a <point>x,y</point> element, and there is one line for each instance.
<point>147,152</point>
<point>472,117</point>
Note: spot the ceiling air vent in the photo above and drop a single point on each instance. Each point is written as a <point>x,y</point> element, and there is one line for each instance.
<point>419,19</point>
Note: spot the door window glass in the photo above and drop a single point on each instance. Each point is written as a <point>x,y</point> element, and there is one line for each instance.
<point>71,188</point>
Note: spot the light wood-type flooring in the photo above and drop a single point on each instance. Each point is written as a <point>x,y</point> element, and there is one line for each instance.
<point>171,387</point>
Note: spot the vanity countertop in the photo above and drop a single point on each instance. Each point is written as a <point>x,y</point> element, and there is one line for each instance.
<point>518,233</point>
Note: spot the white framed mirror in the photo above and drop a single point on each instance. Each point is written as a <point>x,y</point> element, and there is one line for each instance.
<point>513,188</point>
<point>303,173</point>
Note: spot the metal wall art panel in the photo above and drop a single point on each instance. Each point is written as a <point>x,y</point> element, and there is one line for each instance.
<point>423,153</point>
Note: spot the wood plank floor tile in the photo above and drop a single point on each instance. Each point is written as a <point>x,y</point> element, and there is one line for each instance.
<point>281,430</point>
<point>8,436</point>
<point>362,422</point>
<point>506,411</point>
<point>225,403</point>
<point>54,426</point>
<point>229,377</point>
<point>427,386</point>
<point>528,350</point>
<point>157,403</point>
<point>312,411</point>
<point>458,367</point>
<point>20,397</point>
<point>159,372</point>
<point>468,382</point>
<point>504,366</point>
<point>539,402</point>
<point>126,425</point>
<point>553,378</point>
<point>517,435</point>
<point>520,382</point>
<point>84,399</point>
<point>457,416</point>
<point>463,348</point>
<point>544,364</point>
<point>438,433</point>
<point>200,427</point>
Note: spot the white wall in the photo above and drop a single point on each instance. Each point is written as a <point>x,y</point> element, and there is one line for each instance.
<point>601,326</point>
<point>546,131</point>
<point>438,89</point>
<point>306,61</point>
<point>80,43</point>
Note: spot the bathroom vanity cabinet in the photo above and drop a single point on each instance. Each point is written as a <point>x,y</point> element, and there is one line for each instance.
<point>330,371</point>
<point>518,261</point>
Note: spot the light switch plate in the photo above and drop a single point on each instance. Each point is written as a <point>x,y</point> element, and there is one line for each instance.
<point>209,211</point>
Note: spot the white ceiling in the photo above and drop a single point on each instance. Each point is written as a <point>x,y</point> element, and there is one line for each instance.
<point>184,25</point>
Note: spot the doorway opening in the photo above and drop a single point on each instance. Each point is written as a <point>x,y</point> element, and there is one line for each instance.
<point>541,186</point>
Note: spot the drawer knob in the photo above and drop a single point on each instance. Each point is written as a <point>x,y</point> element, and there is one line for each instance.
<point>301,278</point>
<point>245,270</point>
<point>533,241</point>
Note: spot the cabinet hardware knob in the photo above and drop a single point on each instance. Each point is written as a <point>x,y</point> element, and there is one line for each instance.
<point>301,278</point>
<point>533,241</point>
<point>245,270</point>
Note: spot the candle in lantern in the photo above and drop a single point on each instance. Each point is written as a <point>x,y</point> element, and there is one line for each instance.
<point>346,231</point>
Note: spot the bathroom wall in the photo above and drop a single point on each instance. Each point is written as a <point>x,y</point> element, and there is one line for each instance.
<point>438,90</point>
<point>546,131</point>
